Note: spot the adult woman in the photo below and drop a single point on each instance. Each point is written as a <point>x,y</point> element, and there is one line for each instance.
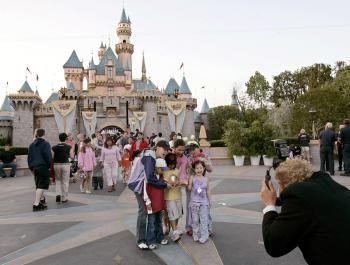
<point>110,158</point>
<point>304,141</point>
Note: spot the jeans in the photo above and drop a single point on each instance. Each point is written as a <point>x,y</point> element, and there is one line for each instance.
<point>13,167</point>
<point>154,228</point>
<point>141,220</point>
<point>326,155</point>
<point>346,158</point>
<point>200,222</point>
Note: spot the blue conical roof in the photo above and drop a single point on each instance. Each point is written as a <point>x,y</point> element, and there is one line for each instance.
<point>124,18</point>
<point>73,61</point>
<point>92,64</point>
<point>26,87</point>
<point>53,97</point>
<point>129,21</point>
<point>184,89</point>
<point>109,54</point>
<point>6,105</point>
<point>205,107</point>
<point>197,117</point>
<point>171,86</point>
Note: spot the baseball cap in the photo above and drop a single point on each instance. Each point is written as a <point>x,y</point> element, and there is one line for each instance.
<point>163,144</point>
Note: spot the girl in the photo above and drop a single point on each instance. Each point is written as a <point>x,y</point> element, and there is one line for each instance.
<point>200,202</point>
<point>110,158</point>
<point>125,164</point>
<point>86,163</point>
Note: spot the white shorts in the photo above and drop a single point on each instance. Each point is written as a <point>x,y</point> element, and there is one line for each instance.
<point>174,209</point>
<point>305,149</point>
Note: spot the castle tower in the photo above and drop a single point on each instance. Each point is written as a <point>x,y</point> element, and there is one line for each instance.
<point>102,50</point>
<point>74,71</point>
<point>234,97</point>
<point>92,74</point>
<point>124,48</point>
<point>144,77</point>
<point>24,103</point>
<point>204,113</point>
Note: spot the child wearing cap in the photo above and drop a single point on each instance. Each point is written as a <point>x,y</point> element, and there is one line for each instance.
<point>173,196</point>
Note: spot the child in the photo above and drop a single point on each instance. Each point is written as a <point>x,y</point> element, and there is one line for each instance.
<point>125,164</point>
<point>183,165</point>
<point>97,179</point>
<point>86,163</point>
<point>173,195</point>
<point>200,202</point>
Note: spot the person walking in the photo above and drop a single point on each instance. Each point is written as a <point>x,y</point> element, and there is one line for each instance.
<point>110,159</point>
<point>304,141</point>
<point>344,136</point>
<point>62,152</point>
<point>86,163</point>
<point>39,161</point>
<point>327,140</point>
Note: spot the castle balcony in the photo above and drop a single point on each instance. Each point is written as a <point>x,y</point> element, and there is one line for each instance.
<point>124,47</point>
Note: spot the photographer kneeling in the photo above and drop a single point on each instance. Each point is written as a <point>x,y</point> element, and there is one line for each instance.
<point>315,215</point>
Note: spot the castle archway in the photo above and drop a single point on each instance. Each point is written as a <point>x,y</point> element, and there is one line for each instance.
<point>111,127</point>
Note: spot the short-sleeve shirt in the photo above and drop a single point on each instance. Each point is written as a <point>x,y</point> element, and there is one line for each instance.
<point>7,157</point>
<point>61,153</point>
<point>172,193</point>
<point>327,138</point>
<point>304,139</point>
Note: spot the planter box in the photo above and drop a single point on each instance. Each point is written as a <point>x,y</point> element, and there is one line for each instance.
<point>239,160</point>
<point>268,161</point>
<point>255,160</point>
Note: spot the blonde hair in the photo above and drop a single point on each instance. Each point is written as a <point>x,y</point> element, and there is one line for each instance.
<point>329,125</point>
<point>293,171</point>
<point>302,131</point>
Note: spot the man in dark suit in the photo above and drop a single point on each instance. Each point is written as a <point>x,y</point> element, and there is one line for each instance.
<point>345,141</point>
<point>315,215</point>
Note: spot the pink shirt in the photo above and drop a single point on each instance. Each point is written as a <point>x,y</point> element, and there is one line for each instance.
<point>182,165</point>
<point>87,160</point>
<point>110,156</point>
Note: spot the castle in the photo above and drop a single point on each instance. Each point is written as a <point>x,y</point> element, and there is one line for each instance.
<point>113,97</point>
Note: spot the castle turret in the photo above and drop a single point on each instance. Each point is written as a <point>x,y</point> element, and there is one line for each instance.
<point>102,51</point>
<point>74,71</point>
<point>124,48</point>
<point>204,113</point>
<point>92,74</point>
<point>144,77</point>
<point>24,103</point>
<point>185,91</point>
<point>234,101</point>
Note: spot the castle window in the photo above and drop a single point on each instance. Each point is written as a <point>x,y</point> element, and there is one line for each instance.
<point>124,41</point>
<point>109,72</point>
<point>110,92</point>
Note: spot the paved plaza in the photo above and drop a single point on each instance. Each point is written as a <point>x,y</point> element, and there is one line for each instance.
<point>99,228</point>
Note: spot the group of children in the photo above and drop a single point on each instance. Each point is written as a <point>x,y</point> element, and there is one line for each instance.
<point>93,166</point>
<point>175,172</point>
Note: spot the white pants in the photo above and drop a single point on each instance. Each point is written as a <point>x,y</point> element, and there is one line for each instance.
<point>110,173</point>
<point>62,172</point>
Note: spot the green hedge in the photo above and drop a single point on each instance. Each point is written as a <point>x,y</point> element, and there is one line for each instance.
<point>17,150</point>
<point>217,143</point>
<point>291,140</point>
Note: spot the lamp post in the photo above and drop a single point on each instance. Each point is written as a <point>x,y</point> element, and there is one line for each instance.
<point>127,114</point>
<point>312,112</point>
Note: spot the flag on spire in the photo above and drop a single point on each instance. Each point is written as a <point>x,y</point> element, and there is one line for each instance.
<point>28,70</point>
<point>37,77</point>
<point>181,66</point>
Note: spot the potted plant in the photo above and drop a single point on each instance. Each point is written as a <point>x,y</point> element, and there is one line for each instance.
<point>234,138</point>
<point>269,153</point>
<point>255,142</point>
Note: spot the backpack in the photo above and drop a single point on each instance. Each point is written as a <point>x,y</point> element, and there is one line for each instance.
<point>137,176</point>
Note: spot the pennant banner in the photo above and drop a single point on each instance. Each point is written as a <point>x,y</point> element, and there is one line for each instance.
<point>64,111</point>
<point>133,124</point>
<point>90,121</point>
<point>176,114</point>
<point>140,119</point>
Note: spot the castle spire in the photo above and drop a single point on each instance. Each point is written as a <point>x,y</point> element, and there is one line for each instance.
<point>144,78</point>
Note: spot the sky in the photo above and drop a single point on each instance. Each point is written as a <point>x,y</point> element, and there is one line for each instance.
<point>221,43</point>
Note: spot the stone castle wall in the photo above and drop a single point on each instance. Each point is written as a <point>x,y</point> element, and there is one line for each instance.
<point>23,127</point>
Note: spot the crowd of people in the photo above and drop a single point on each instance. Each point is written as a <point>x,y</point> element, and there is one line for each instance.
<point>171,167</point>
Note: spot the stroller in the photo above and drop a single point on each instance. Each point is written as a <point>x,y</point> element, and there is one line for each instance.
<point>73,170</point>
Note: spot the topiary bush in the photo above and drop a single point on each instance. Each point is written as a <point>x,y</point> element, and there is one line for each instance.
<point>217,143</point>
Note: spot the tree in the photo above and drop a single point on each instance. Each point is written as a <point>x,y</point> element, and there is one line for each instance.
<point>217,118</point>
<point>258,88</point>
<point>314,76</point>
<point>280,117</point>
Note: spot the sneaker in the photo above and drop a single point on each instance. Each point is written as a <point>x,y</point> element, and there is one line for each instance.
<point>152,246</point>
<point>202,241</point>
<point>39,207</point>
<point>88,192</point>
<point>195,238</point>
<point>175,237</point>
<point>142,246</point>
<point>43,202</point>
<point>64,201</point>
<point>95,188</point>
<point>58,198</point>
<point>163,242</point>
